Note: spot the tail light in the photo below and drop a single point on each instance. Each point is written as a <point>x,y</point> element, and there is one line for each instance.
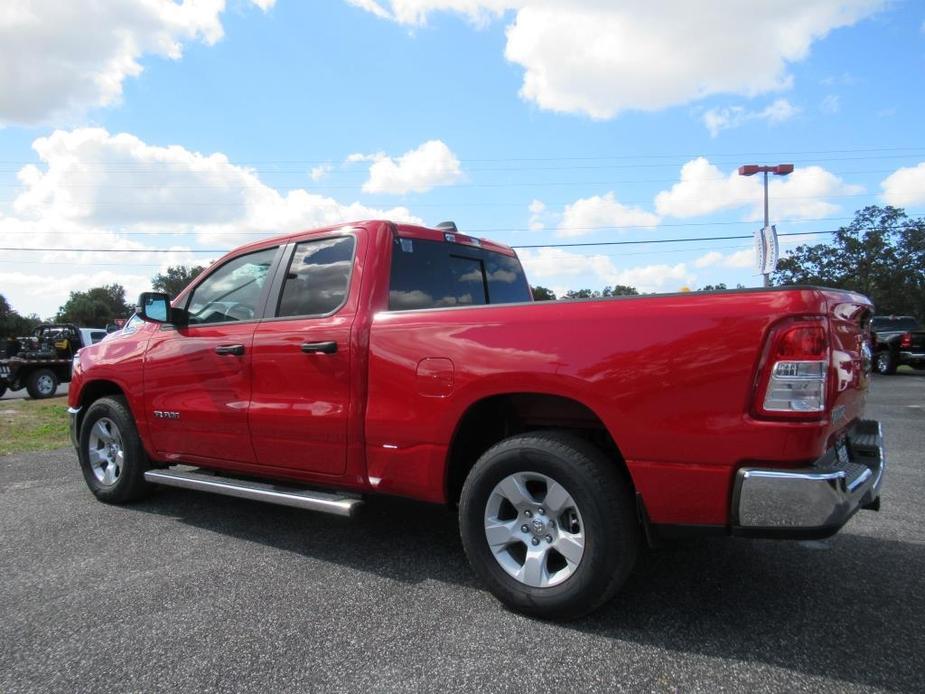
<point>906,341</point>
<point>794,370</point>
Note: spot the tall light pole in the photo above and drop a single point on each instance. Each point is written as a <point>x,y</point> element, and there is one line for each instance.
<point>778,170</point>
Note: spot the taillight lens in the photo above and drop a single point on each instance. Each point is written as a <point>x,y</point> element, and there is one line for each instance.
<point>795,370</point>
<point>906,340</point>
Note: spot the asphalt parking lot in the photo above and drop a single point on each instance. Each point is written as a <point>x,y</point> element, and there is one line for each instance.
<point>193,592</point>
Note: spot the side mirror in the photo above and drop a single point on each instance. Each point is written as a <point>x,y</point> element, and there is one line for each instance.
<point>153,307</point>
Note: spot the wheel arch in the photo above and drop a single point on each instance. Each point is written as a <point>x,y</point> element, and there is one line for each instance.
<point>496,417</point>
<point>91,391</point>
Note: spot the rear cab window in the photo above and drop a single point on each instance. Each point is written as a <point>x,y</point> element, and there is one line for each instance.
<point>438,274</point>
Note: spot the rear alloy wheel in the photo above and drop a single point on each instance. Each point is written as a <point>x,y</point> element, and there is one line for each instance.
<point>534,529</point>
<point>42,384</point>
<point>886,363</point>
<point>547,521</point>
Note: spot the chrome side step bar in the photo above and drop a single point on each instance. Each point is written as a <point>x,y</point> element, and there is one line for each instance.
<point>310,499</point>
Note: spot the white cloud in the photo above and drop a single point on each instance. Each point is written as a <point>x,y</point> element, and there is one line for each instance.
<point>704,189</point>
<point>58,59</point>
<point>905,186</point>
<point>564,269</point>
<point>600,57</point>
<point>321,171</point>
<point>831,104</point>
<point>92,189</point>
<point>727,117</point>
<point>537,214</point>
<point>586,215</point>
<point>419,170</point>
<point>739,259</point>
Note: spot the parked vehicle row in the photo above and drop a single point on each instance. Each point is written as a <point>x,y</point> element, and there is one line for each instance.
<point>897,341</point>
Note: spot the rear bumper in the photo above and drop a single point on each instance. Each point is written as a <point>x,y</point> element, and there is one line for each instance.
<point>815,501</point>
<point>911,357</point>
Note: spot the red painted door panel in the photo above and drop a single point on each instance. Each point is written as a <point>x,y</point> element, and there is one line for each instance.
<point>204,394</point>
<point>300,403</point>
<point>300,400</point>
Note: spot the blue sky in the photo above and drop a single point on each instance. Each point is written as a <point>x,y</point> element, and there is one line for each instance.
<point>197,126</point>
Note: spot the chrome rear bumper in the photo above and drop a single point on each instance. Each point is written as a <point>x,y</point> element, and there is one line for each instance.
<point>815,501</point>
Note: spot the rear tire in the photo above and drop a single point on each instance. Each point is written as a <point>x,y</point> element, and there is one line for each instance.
<point>112,459</point>
<point>42,384</point>
<point>2,391</point>
<point>583,502</point>
<point>886,363</point>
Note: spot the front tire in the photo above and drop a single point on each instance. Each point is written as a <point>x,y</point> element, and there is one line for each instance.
<point>886,363</point>
<point>547,522</point>
<point>42,384</point>
<point>112,458</point>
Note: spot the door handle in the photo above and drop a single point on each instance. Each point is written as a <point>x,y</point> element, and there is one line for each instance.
<point>236,350</point>
<point>319,347</point>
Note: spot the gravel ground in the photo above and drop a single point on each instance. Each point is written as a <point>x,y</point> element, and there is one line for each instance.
<point>193,592</point>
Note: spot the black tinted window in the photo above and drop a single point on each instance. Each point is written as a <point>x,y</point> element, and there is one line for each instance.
<point>888,324</point>
<point>318,276</point>
<point>232,292</point>
<point>433,274</point>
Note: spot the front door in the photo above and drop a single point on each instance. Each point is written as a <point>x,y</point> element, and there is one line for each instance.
<point>302,359</point>
<point>198,376</point>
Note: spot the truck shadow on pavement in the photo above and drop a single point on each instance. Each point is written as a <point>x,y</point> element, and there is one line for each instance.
<point>849,608</point>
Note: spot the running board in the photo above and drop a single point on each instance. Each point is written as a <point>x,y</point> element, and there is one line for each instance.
<point>310,499</point>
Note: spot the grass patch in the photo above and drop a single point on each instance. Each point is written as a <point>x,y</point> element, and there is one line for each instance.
<point>33,425</point>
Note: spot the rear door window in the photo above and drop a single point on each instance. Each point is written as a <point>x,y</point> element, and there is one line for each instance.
<point>434,274</point>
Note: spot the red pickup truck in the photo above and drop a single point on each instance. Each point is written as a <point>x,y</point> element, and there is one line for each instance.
<point>373,358</point>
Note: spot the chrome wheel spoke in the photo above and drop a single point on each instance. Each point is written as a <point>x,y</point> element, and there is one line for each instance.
<point>500,534</point>
<point>557,499</point>
<point>533,572</point>
<point>109,473</point>
<point>513,489</point>
<point>572,547</point>
<point>102,431</point>
<point>96,457</point>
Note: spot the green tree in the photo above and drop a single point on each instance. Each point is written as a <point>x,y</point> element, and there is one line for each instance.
<point>881,254</point>
<point>606,292</point>
<point>95,307</point>
<point>543,294</point>
<point>619,290</point>
<point>12,324</point>
<point>175,279</point>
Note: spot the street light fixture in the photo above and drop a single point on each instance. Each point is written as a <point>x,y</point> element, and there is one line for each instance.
<point>778,170</point>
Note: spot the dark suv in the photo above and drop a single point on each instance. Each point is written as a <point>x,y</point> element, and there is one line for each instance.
<point>898,340</point>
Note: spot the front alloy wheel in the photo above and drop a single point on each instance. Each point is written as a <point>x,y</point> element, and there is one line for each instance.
<point>111,456</point>
<point>106,452</point>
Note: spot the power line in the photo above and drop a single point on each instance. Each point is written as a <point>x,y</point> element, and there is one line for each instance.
<point>572,157</point>
<point>544,245</point>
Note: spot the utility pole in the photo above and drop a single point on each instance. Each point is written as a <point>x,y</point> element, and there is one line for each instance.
<point>778,170</point>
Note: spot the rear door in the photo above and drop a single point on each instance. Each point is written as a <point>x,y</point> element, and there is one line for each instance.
<point>302,357</point>
<point>198,376</point>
